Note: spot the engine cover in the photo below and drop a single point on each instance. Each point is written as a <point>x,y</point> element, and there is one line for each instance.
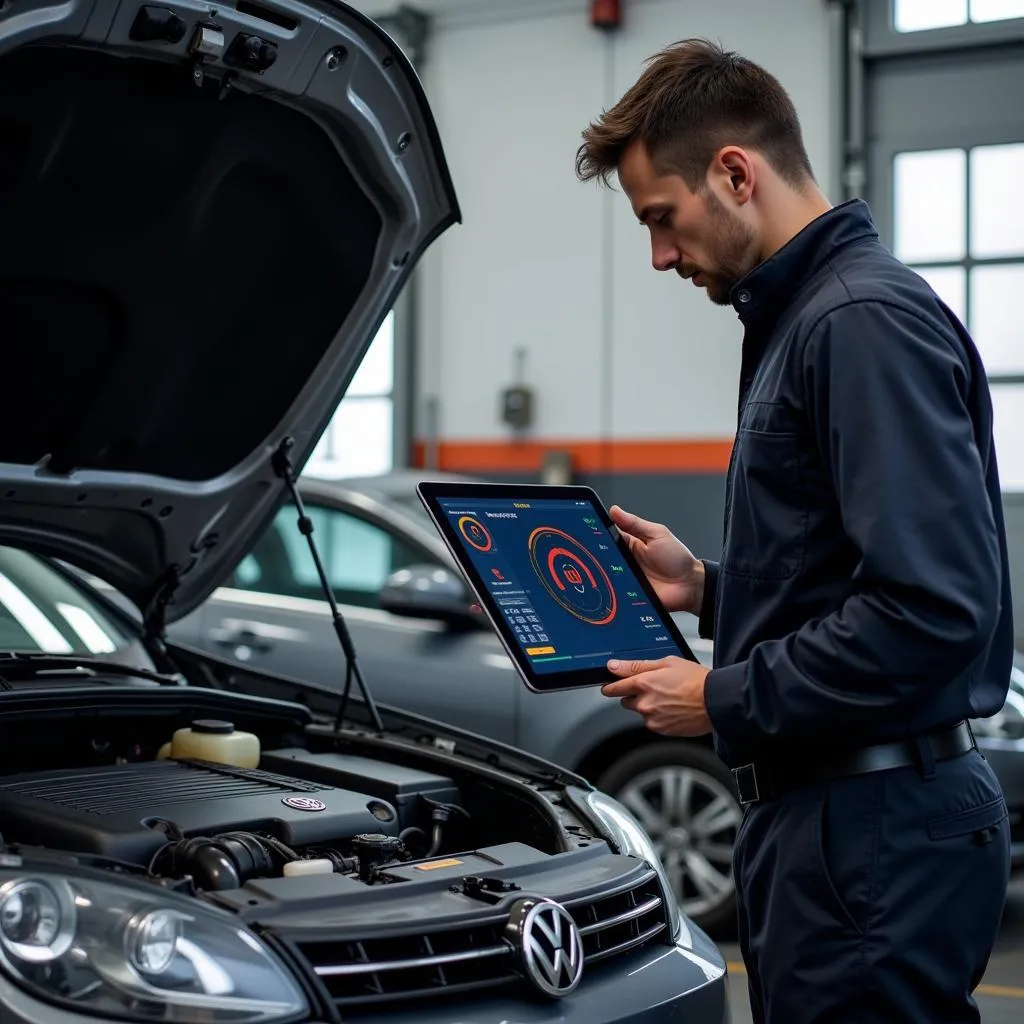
<point>112,810</point>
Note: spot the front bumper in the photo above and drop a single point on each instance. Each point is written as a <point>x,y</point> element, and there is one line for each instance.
<point>658,985</point>
<point>1006,758</point>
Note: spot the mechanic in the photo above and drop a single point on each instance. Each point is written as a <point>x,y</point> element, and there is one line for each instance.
<point>861,608</point>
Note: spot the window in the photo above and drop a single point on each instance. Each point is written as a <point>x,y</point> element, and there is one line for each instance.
<point>358,557</point>
<point>921,15</point>
<point>957,224</point>
<point>359,440</point>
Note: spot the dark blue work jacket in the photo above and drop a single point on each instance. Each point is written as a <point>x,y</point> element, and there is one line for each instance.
<point>863,591</point>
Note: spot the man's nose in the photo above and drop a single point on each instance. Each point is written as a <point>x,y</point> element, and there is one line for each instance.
<point>664,257</point>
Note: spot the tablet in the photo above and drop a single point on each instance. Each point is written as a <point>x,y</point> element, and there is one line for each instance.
<point>554,577</point>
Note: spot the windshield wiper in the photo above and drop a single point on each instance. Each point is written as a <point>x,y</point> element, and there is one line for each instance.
<point>283,467</point>
<point>14,665</point>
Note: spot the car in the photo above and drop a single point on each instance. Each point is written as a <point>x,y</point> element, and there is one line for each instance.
<point>208,211</point>
<point>1001,739</point>
<point>412,616</point>
<point>407,604</point>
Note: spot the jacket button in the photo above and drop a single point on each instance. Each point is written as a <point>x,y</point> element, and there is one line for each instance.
<point>743,296</point>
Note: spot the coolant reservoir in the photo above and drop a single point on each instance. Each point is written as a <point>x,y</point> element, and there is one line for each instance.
<point>212,740</point>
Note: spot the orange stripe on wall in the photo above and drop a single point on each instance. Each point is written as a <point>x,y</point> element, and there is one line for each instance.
<point>619,456</point>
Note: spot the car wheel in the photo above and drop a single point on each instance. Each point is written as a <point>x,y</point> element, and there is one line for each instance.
<point>683,796</point>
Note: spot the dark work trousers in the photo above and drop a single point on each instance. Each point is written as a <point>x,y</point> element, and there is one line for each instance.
<point>874,899</point>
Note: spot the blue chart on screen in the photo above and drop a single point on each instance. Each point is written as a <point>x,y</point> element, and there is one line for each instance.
<point>551,573</point>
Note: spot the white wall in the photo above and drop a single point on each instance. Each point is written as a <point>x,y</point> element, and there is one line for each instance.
<point>614,349</point>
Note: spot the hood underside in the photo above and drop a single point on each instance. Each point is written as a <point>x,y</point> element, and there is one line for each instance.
<point>195,258</point>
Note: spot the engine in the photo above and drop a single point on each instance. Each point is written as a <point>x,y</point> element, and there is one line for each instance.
<point>221,825</point>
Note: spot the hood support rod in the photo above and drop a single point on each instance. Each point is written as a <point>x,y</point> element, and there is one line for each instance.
<point>283,467</point>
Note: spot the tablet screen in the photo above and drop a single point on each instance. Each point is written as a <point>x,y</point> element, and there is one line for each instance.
<point>558,579</point>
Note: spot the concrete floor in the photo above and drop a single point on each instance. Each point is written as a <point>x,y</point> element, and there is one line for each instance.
<point>1001,995</point>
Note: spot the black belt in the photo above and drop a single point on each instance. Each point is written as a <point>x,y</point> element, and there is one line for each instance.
<point>764,780</point>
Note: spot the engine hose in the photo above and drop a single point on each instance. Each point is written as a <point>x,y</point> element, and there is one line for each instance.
<point>438,834</point>
<point>333,856</point>
<point>169,828</point>
<point>414,833</point>
<point>275,844</point>
<point>224,861</point>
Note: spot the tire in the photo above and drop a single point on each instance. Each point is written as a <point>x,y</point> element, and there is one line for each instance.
<point>695,844</point>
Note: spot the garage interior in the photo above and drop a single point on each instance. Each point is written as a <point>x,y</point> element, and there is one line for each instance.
<point>528,341</point>
<point>274,699</point>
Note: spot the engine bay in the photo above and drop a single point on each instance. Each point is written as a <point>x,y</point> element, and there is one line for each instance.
<point>337,848</point>
<point>224,824</point>
<point>307,807</point>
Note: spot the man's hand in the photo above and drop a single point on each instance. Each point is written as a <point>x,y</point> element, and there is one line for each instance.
<point>677,577</point>
<point>668,693</point>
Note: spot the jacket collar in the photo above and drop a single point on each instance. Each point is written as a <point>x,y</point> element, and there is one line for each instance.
<point>772,284</point>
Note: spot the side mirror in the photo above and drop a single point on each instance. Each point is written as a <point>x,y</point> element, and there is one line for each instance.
<point>429,592</point>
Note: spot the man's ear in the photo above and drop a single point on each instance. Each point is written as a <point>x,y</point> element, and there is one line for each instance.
<point>735,166</point>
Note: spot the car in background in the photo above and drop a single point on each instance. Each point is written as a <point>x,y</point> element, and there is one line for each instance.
<point>408,608</point>
<point>1001,739</point>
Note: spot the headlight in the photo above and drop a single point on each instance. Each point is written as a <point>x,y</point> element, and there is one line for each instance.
<point>1008,722</point>
<point>632,840</point>
<point>115,951</point>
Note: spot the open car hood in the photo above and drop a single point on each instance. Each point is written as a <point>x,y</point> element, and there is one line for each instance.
<point>207,210</point>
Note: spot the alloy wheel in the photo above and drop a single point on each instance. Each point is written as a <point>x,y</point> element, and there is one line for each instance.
<point>693,819</point>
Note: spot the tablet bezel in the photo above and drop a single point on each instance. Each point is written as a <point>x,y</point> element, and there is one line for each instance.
<point>431,491</point>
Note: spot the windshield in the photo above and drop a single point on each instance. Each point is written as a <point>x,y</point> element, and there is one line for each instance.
<point>41,612</point>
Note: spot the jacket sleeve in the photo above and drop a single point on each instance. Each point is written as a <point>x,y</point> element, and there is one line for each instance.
<point>706,622</point>
<point>886,395</point>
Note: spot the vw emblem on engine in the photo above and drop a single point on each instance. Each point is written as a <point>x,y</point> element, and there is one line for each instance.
<point>304,803</point>
<point>549,945</point>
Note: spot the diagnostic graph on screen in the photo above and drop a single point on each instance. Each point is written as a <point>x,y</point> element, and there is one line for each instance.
<point>559,581</point>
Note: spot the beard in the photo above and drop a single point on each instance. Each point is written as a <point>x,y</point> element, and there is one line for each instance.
<point>729,251</point>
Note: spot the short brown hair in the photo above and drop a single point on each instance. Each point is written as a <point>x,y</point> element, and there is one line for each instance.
<point>693,98</point>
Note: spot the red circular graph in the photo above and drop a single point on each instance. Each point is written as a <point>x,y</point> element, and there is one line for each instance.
<point>572,576</point>
<point>476,533</point>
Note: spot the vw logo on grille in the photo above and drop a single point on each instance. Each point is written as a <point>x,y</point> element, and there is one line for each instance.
<point>549,944</point>
<point>304,803</point>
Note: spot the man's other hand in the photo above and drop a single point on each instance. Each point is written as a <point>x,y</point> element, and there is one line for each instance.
<point>676,575</point>
<point>669,694</point>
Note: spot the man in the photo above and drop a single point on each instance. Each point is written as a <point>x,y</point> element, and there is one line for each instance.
<point>861,609</point>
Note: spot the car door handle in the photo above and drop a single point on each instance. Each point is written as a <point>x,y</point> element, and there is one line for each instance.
<point>244,637</point>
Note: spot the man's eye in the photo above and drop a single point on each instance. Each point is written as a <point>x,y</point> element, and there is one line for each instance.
<point>663,219</point>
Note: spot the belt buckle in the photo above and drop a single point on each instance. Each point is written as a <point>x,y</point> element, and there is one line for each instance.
<point>746,784</point>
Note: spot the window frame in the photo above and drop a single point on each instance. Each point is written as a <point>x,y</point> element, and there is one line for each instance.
<point>881,39</point>
<point>967,262</point>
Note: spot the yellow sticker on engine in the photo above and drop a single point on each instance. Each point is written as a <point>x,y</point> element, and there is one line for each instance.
<point>450,862</point>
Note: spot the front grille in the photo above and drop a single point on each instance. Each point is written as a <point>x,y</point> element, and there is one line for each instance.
<point>131,787</point>
<point>621,920</point>
<point>381,970</point>
<point>368,972</point>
